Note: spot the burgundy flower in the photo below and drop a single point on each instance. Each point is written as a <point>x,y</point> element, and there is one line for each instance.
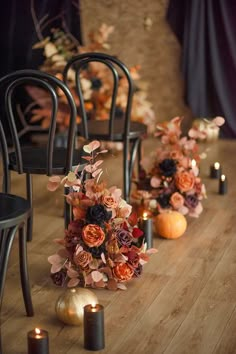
<point>133,258</point>
<point>124,237</point>
<point>59,277</point>
<point>73,233</point>
<point>191,201</point>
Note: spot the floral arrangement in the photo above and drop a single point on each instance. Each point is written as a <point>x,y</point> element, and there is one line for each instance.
<point>170,176</point>
<point>96,81</point>
<point>103,247</point>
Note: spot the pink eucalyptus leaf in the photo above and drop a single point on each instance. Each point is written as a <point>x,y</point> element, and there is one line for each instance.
<point>193,133</point>
<point>78,249</point>
<point>88,158</point>
<point>97,163</point>
<point>56,268</point>
<point>97,172</point>
<point>151,251</point>
<point>155,182</point>
<point>100,284</point>
<point>96,276</point>
<point>73,282</point>
<point>103,258</point>
<point>55,259</point>
<point>93,264</point>
<point>219,121</point>
<point>88,279</point>
<point>91,146</point>
<point>183,210</point>
<point>121,286</point>
<point>72,273</point>
<point>53,183</point>
<point>112,284</point>
<point>103,152</point>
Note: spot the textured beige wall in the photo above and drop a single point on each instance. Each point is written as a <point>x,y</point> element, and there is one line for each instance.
<point>155,48</point>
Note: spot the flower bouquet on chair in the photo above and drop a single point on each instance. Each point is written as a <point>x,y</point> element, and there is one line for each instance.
<point>103,246</point>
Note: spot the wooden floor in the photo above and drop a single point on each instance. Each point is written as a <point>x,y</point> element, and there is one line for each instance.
<point>185,302</point>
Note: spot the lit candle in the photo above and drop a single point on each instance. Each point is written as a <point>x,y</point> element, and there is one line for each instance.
<point>223,185</point>
<point>94,338</point>
<point>145,225</point>
<point>215,170</point>
<point>195,169</point>
<point>38,342</point>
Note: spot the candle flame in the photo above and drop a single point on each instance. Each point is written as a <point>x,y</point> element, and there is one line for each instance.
<point>194,163</point>
<point>145,215</point>
<point>217,165</point>
<point>94,307</point>
<point>37,331</point>
<point>222,178</point>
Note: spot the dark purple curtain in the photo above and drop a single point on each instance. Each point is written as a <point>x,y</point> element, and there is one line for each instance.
<point>17,30</point>
<point>18,35</point>
<point>206,30</point>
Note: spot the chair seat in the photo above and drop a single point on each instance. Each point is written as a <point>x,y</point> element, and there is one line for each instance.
<point>34,160</point>
<point>13,209</point>
<point>99,129</point>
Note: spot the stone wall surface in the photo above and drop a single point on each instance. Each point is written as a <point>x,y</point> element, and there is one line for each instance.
<point>143,37</point>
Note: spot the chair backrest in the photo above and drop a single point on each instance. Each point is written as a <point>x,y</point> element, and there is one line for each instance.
<point>4,162</point>
<point>83,69</point>
<point>52,85</point>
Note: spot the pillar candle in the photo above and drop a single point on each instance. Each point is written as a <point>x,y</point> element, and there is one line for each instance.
<point>145,225</point>
<point>38,342</point>
<point>215,170</point>
<point>223,185</point>
<point>94,338</point>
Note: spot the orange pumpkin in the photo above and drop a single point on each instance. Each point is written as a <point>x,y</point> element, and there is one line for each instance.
<point>170,224</point>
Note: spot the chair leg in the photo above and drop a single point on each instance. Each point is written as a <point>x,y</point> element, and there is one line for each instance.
<point>126,181</point>
<point>24,272</point>
<point>67,210</point>
<point>29,194</point>
<point>135,154</point>
<point>7,238</point>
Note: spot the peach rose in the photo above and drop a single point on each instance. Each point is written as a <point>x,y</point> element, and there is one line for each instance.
<point>109,202</point>
<point>93,235</point>
<point>184,181</point>
<point>176,200</point>
<point>83,258</point>
<point>123,272</point>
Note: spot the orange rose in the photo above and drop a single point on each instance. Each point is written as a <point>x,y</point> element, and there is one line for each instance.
<point>184,181</point>
<point>109,202</point>
<point>93,235</point>
<point>83,258</point>
<point>123,272</point>
<point>176,200</point>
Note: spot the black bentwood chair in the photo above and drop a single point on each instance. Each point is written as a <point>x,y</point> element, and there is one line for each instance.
<point>46,159</point>
<point>113,129</point>
<point>14,213</point>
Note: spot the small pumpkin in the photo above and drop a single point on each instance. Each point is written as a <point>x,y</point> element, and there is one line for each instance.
<point>70,305</point>
<point>170,224</point>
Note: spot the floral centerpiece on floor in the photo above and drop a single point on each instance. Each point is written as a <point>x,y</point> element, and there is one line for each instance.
<point>97,81</point>
<point>170,176</point>
<point>103,246</point>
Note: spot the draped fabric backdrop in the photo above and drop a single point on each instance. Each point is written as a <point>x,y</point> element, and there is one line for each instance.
<point>206,30</point>
<point>18,33</point>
